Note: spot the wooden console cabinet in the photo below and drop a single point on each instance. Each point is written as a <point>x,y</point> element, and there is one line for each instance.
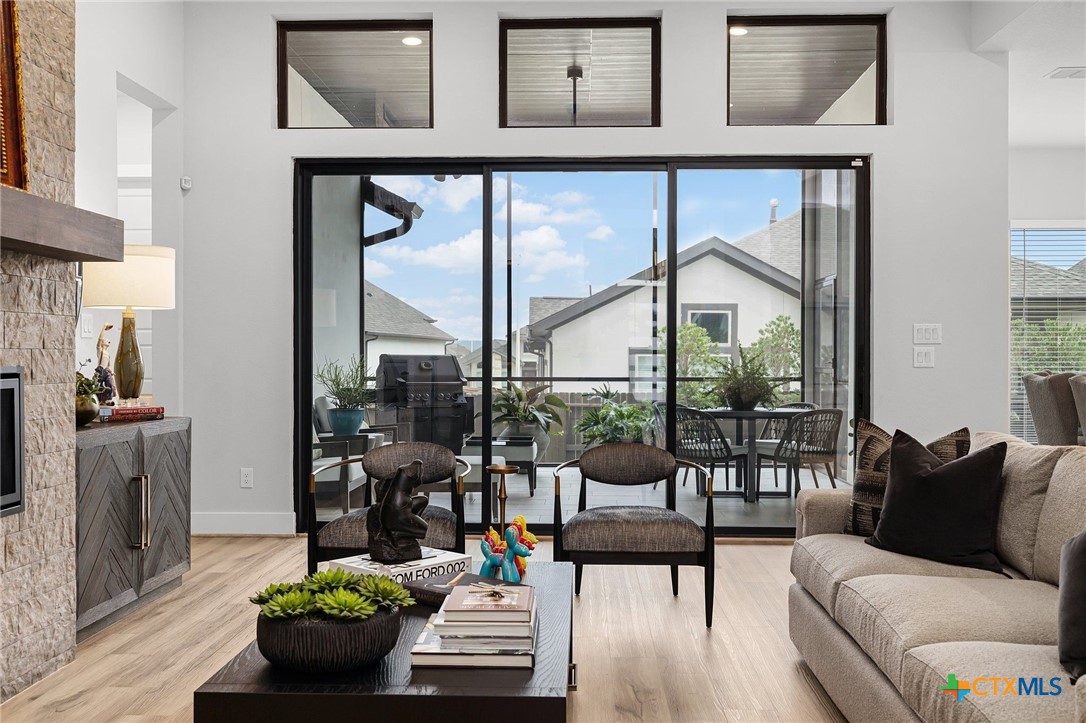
<point>133,516</point>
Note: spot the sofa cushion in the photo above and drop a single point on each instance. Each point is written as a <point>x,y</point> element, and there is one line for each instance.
<point>1072,633</point>
<point>942,511</point>
<point>1063,514</point>
<point>927,667</point>
<point>872,464</point>
<point>821,563</point>
<point>1026,473</point>
<point>888,615</point>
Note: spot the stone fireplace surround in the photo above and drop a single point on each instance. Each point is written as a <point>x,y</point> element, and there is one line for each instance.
<point>37,332</point>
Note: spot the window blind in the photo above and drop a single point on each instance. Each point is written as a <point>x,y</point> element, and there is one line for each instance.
<point>1048,310</point>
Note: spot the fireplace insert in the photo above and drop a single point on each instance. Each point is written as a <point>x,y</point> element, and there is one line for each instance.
<point>11,440</point>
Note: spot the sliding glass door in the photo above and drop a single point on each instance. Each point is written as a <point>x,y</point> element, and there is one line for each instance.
<point>462,287</point>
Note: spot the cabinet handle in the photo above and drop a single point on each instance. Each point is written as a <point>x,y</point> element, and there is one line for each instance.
<point>147,511</point>
<point>144,511</point>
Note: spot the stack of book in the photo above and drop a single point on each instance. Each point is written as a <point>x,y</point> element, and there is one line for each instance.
<point>433,562</point>
<point>480,625</point>
<point>130,414</point>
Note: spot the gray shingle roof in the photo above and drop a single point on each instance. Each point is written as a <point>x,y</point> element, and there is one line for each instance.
<point>778,244</point>
<point>1043,281</point>
<point>540,307</point>
<point>388,316</point>
<point>1080,267</point>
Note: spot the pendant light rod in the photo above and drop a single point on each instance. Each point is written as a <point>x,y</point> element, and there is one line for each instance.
<point>575,73</point>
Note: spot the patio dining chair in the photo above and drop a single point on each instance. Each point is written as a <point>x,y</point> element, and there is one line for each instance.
<point>699,439</point>
<point>774,428</point>
<point>810,439</point>
<point>634,534</point>
<point>347,535</point>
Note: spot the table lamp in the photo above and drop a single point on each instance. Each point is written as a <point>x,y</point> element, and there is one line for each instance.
<point>144,280</point>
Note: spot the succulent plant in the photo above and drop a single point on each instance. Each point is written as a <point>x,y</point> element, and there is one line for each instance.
<point>330,579</point>
<point>292,604</point>
<point>385,591</point>
<point>344,603</point>
<point>271,591</point>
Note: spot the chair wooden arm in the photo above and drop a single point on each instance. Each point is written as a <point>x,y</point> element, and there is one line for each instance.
<point>559,468</point>
<point>703,470</point>
<point>460,477</point>
<point>325,468</point>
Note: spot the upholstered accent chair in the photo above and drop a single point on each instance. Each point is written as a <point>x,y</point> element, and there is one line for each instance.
<point>1052,405</point>
<point>634,535</point>
<point>347,534</point>
<point>809,439</point>
<point>1078,391</point>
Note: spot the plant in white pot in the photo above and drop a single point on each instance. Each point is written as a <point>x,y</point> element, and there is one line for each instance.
<point>528,412</point>
<point>614,421</point>
<point>350,390</point>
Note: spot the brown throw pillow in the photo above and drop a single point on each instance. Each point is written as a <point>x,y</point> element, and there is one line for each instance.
<point>942,511</point>
<point>873,462</point>
<point>1071,631</point>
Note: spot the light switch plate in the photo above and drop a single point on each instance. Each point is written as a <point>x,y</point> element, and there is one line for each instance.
<point>86,325</point>
<point>927,333</point>
<point>924,357</point>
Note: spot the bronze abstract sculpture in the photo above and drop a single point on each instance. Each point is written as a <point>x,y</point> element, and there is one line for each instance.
<point>394,522</point>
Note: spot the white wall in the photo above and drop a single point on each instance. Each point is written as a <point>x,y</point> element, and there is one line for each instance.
<point>137,48</point>
<point>1048,184</point>
<point>307,108</point>
<point>940,217</point>
<point>857,104</point>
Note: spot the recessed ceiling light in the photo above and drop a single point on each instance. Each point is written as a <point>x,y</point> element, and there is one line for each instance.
<point>1069,73</point>
<point>411,40</point>
<point>737,30</point>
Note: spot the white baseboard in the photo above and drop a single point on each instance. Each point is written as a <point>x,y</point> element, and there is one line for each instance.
<point>242,523</point>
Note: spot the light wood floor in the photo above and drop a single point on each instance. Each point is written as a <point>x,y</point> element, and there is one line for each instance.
<point>641,653</point>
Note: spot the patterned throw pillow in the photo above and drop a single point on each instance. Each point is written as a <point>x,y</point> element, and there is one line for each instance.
<point>873,464</point>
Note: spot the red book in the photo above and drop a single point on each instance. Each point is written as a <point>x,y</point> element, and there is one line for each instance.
<point>130,411</point>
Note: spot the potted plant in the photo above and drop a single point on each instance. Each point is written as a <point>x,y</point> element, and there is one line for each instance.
<point>616,421</point>
<point>86,399</point>
<point>528,412</point>
<point>350,390</point>
<point>745,385</point>
<point>329,622</point>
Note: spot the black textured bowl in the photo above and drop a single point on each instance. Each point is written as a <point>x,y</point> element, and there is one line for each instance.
<point>327,646</point>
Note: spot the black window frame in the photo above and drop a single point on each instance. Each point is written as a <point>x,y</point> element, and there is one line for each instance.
<point>505,25</point>
<point>768,21</point>
<point>283,27</point>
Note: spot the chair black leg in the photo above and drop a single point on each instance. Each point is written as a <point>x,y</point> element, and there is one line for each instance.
<point>776,479</point>
<point>833,477</point>
<point>686,474</point>
<point>727,475</point>
<point>577,570</point>
<point>675,580</point>
<point>794,469</point>
<point>709,583</point>
<point>814,475</point>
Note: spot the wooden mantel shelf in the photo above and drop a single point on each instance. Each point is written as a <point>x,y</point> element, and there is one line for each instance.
<point>39,226</point>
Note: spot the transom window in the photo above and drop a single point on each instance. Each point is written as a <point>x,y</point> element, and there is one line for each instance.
<point>807,70</point>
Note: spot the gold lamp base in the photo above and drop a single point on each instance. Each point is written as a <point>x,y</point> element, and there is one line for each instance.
<point>128,365</point>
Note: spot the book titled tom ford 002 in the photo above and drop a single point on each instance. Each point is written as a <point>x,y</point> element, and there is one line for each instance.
<point>433,562</point>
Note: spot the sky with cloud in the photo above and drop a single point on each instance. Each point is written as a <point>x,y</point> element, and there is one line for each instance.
<point>572,234</point>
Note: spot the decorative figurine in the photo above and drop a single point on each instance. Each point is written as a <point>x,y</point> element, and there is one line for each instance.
<point>394,522</point>
<point>508,555</point>
<point>102,373</point>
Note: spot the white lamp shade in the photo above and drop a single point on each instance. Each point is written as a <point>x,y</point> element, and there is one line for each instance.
<point>144,280</point>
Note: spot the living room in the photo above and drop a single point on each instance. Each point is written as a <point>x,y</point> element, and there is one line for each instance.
<point>731,240</point>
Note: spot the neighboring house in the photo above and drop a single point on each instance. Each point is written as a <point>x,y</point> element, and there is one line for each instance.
<point>729,291</point>
<point>395,327</point>
<point>1040,291</point>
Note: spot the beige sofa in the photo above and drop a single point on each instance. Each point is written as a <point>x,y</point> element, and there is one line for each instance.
<point>882,631</point>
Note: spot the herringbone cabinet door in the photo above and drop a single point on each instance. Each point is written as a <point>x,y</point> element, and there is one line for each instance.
<point>107,527</point>
<point>166,463</point>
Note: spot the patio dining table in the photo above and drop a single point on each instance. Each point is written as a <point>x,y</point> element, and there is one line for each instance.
<point>748,434</point>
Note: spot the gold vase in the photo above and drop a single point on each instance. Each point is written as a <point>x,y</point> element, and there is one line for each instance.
<point>128,365</point>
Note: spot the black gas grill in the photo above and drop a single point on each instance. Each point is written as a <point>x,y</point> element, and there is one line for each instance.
<point>424,397</point>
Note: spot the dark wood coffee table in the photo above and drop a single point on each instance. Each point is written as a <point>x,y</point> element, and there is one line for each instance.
<point>249,688</point>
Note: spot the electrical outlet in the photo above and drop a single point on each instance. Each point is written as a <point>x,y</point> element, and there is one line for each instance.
<point>927,333</point>
<point>924,357</point>
<point>86,328</point>
<point>247,477</point>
